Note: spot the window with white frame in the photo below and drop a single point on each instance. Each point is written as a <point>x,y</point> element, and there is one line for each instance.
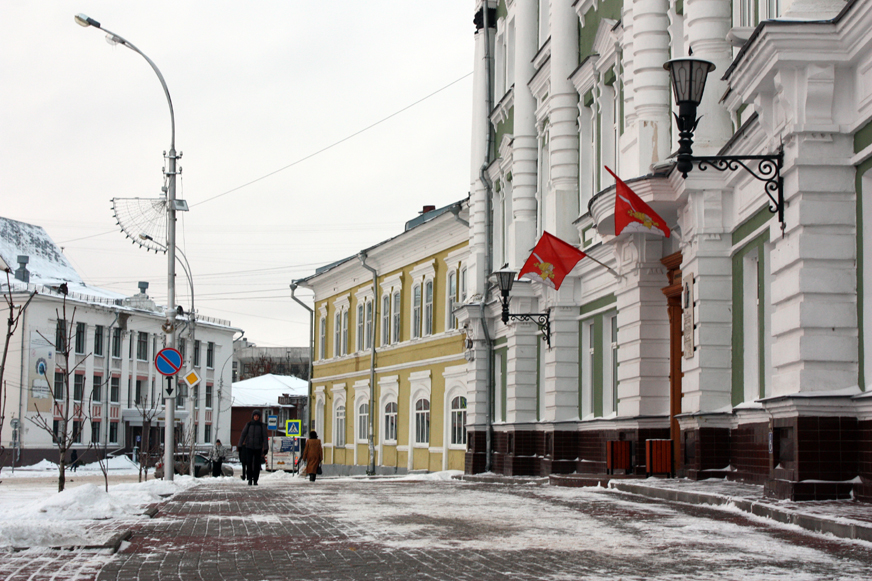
<point>391,421</point>
<point>428,308</point>
<point>458,421</point>
<point>397,315</point>
<point>210,355</point>
<point>450,299</point>
<point>345,332</point>
<point>422,421</point>
<point>386,320</point>
<point>322,345</point>
<point>142,346</point>
<point>363,421</point>
<point>339,427</point>
<point>337,334</point>
<point>416,311</point>
<point>80,338</point>
<point>367,330</point>
<point>360,327</point>
<point>599,365</point>
<point>463,285</point>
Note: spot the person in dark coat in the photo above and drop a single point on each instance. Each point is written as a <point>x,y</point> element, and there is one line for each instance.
<point>254,440</point>
<point>74,460</point>
<point>313,455</point>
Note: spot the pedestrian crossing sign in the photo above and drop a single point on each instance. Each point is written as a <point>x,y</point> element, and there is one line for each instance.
<point>293,428</point>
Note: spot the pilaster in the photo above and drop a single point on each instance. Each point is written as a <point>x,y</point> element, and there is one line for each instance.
<point>561,363</point>
<point>650,32</point>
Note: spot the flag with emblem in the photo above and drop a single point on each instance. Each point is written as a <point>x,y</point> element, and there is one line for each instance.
<point>634,215</point>
<point>552,259</point>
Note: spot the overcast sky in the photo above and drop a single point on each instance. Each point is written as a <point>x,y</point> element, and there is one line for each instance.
<point>256,87</point>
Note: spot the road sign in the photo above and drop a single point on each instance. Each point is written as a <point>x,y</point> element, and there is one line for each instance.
<point>272,422</point>
<point>168,361</point>
<point>293,428</point>
<point>192,378</point>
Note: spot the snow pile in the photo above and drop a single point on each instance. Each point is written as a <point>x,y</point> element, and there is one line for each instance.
<point>61,519</point>
<point>116,465</point>
<point>445,475</point>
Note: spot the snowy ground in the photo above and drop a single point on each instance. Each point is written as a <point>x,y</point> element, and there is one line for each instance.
<point>34,514</point>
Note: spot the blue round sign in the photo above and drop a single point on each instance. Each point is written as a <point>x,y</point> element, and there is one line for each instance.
<point>168,361</point>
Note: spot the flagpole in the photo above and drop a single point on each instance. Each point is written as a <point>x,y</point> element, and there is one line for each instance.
<point>604,266</point>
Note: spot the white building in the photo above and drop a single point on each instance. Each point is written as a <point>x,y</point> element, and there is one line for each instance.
<point>742,339</point>
<point>115,339</point>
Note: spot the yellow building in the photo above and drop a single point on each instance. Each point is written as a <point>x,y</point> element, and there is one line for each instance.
<point>385,319</point>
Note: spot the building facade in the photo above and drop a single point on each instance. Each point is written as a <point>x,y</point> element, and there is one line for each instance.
<point>387,340</point>
<point>114,388</point>
<point>741,337</point>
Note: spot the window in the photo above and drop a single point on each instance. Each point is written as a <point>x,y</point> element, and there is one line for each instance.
<point>391,422</point>
<point>416,311</point>
<point>130,400</point>
<point>80,338</point>
<point>207,433</point>
<point>208,396</point>
<point>210,355</point>
<point>59,386</point>
<point>130,346</point>
<point>196,432</point>
<point>61,336</point>
<point>180,400</point>
<point>339,430</point>
<point>153,400</point>
<point>345,332</point>
<point>98,340</point>
<point>95,432</point>
<point>422,421</point>
<point>322,346</point>
<point>428,308</point>
<point>458,421</point>
<point>113,432</point>
<point>77,432</point>
<point>337,334</point>
<point>140,396</point>
<point>386,320</point>
<point>97,388</point>
<point>78,386</point>
<point>116,342</point>
<point>360,330</point>
<point>142,346</point>
<point>598,360</point>
<point>397,315</point>
<point>451,296</point>
<point>114,388</point>
<point>463,285</point>
<point>363,421</point>
<point>56,430</point>
<point>183,347</point>
<point>197,353</point>
<point>196,397</point>
<point>367,332</point>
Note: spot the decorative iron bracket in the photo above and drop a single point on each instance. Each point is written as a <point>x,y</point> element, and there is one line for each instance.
<point>765,168</point>
<point>542,320</point>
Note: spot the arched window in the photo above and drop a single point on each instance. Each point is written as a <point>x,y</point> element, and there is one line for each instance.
<point>422,421</point>
<point>363,421</point>
<point>458,420</point>
<point>339,435</point>
<point>391,422</point>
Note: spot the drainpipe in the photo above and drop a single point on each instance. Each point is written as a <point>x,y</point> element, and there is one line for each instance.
<point>311,356</point>
<point>362,257</point>
<point>455,209</point>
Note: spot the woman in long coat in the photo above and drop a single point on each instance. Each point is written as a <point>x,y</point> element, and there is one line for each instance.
<point>313,455</point>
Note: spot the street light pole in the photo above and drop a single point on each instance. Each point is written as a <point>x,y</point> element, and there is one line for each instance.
<point>169,326</point>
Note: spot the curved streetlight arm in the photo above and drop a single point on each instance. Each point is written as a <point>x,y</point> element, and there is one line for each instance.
<point>307,413</point>
<point>183,262</point>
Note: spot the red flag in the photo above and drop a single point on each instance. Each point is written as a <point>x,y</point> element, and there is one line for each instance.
<point>552,259</point>
<point>634,215</point>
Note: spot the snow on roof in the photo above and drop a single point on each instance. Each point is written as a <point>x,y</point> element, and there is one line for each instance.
<point>47,264</point>
<point>265,390</point>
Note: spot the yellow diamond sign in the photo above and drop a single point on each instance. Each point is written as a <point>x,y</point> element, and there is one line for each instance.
<point>192,378</point>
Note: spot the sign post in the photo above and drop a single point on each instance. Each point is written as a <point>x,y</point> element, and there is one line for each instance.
<point>168,361</point>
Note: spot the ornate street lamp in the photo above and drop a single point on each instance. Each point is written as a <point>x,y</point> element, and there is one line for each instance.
<point>505,279</point>
<point>688,76</point>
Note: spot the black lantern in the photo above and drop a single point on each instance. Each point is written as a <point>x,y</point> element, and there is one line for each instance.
<point>688,76</point>
<point>505,279</point>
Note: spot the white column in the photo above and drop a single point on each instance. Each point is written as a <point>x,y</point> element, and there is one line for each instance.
<point>522,234</point>
<point>521,369</point>
<point>562,206</point>
<point>650,81</point>
<point>561,363</point>
<point>706,25</point>
<point>478,201</point>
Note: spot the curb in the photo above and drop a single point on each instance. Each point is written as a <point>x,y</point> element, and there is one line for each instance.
<point>806,521</point>
<point>113,543</point>
<point>500,479</point>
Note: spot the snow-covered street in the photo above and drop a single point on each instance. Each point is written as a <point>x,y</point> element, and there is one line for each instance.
<point>416,527</point>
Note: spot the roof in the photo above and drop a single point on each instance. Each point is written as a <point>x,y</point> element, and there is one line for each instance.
<point>47,263</point>
<point>265,390</point>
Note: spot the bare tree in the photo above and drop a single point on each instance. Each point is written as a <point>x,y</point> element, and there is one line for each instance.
<point>100,445</point>
<point>148,405</point>
<point>12,322</point>
<point>68,412</point>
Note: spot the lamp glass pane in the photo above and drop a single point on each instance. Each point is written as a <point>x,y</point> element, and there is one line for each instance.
<point>506,278</point>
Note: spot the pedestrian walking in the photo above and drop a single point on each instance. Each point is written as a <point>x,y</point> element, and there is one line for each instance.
<point>254,440</point>
<point>217,457</point>
<point>74,460</point>
<point>313,455</point>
